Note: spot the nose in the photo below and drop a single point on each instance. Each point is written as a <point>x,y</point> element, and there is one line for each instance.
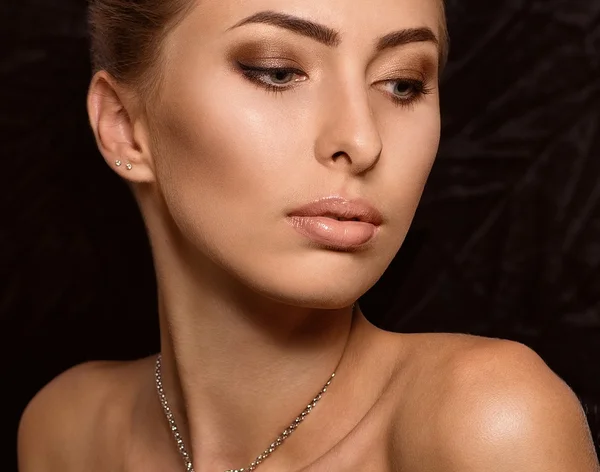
<point>348,130</point>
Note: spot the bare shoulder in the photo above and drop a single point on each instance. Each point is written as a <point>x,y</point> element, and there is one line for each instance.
<point>65,419</point>
<point>495,405</point>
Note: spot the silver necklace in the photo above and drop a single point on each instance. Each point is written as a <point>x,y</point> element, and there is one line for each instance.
<point>187,459</point>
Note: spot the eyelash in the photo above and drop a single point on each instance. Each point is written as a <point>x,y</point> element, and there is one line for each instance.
<point>254,73</point>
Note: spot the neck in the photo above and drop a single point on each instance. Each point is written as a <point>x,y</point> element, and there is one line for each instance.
<point>234,386</point>
<point>238,369</point>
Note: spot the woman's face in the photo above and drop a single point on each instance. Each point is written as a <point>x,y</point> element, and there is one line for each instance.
<point>240,147</point>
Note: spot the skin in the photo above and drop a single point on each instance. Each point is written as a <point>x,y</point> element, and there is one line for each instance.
<point>254,318</point>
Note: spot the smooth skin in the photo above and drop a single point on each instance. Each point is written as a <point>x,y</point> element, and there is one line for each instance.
<point>254,318</point>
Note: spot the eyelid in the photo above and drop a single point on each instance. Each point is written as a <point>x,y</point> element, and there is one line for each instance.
<point>268,57</point>
<point>270,68</point>
<point>408,73</point>
<point>421,70</point>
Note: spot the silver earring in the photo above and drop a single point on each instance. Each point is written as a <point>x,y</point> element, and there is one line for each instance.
<point>129,166</point>
<point>118,163</point>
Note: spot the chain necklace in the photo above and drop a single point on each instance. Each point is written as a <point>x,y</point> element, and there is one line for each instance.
<point>187,459</point>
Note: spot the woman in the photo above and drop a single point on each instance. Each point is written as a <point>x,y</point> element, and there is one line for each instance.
<point>251,134</point>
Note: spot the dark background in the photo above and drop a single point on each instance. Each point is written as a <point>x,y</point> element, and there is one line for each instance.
<point>506,242</point>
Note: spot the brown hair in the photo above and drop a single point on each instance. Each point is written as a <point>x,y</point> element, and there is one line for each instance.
<point>127,38</point>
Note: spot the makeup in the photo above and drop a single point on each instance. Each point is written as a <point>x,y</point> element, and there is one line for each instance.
<point>338,222</point>
<point>331,232</point>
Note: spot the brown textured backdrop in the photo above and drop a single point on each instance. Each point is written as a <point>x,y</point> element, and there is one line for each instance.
<point>506,242</point>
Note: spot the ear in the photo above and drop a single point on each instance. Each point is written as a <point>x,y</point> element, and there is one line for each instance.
<point>122,140</point>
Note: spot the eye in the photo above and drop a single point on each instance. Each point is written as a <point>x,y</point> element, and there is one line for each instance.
<point>279,76</point>
<point>272,78</point>
<point>405,89</point>
<point>405,92</point>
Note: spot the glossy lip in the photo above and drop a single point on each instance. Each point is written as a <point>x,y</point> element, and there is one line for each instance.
<point>336,206</point>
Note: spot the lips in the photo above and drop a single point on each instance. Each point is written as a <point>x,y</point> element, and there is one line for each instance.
<point>339,208</point>
<point>337,223</point>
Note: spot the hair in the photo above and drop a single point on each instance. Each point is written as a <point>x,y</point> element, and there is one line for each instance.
<point>127,38</point>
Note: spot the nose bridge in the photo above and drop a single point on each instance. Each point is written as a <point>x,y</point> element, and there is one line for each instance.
<point>348,126</point>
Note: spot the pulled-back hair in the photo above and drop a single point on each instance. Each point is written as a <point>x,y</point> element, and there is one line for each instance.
<point>127,38</point>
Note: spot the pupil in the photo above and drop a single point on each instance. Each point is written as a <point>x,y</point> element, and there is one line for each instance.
<point>403,88</point>
<point>281,75</point>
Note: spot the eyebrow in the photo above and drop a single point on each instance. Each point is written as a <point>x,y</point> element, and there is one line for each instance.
<point>330,37</point>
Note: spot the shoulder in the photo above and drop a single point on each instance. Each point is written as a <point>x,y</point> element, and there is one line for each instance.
<point>65,417</point>
<point>499,408</point>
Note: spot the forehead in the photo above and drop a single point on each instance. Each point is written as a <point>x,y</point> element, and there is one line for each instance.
<point>355,20</point>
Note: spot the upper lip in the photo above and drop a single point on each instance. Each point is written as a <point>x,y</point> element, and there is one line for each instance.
<point>341,207</point>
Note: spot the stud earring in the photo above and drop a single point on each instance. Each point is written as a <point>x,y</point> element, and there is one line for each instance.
<point>129,166</point>
<point>118,163</point>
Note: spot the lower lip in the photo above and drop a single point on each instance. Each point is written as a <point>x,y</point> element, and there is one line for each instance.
<point>331,232</point>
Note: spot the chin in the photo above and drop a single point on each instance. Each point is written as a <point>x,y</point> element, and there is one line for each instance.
<point>323,282</point>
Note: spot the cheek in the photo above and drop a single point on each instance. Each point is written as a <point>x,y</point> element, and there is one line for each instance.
<point>412,144</point>
<point>213,142</point>
<point>221,161</point>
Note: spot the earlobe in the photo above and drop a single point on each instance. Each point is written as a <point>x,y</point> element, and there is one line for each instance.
<point>115,130</point>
